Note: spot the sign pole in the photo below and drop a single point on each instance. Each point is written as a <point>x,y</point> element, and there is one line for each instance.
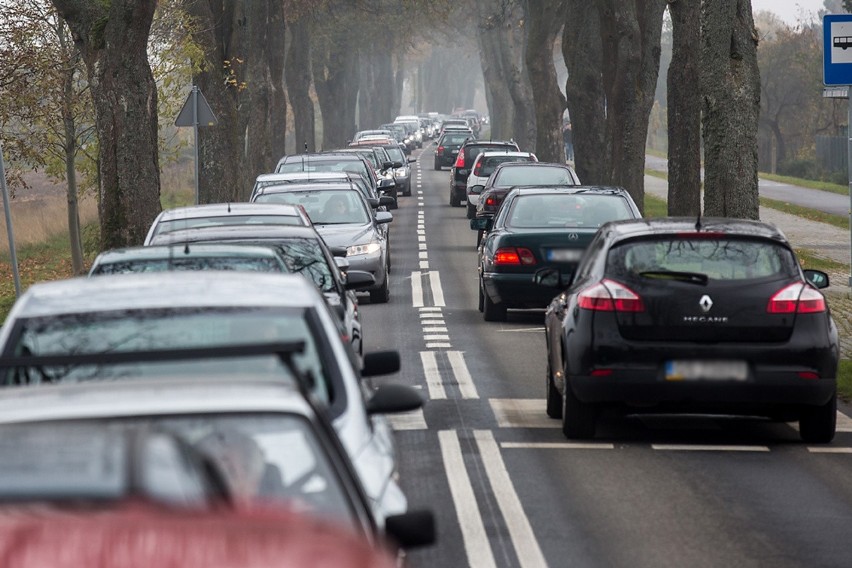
<point>12,255</point>
<point>195,132</point>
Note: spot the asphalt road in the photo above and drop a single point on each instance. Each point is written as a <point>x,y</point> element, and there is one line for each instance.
<point>509,490</point>
<point>825,201</point>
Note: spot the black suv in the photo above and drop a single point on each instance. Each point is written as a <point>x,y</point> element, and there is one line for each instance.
<point>464,161</point>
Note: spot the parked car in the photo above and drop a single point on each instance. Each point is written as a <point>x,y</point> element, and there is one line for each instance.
<point>273,447</point>
<point>400,133</point>
<point>401,164</point>
<point>224,215</point>
<point>483,166</point>
<point>464,163</point>
<point>239,258</point>
<point>217,312</point>
<point>335,162</point>
<point>344,220</point>
<point>448,147</point>
<point>370,192</point>
<point>540,227</point>
<point>677,315</point>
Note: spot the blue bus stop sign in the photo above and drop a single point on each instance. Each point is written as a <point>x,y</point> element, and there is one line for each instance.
<point>837,49</point>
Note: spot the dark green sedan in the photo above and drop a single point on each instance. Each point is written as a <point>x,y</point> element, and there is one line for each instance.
<point>540,227</point>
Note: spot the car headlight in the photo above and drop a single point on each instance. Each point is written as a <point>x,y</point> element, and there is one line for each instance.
<point>399,172</point>
<point>368,248</point>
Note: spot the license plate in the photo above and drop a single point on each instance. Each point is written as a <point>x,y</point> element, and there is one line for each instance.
<point>706,370</point>
<point>564,255</point>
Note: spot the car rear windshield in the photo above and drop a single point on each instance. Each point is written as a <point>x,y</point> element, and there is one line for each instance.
<point>237,263</point>
<point>566,210</point>
<point>356,166</point>
<point>127,331</point>
<point>169,226</point>
<point>471,151</point>
<point>716,258</point>
<point>490,163</point>
<point>324,207</point>
<point>532,175</point>
<point>454,138</point>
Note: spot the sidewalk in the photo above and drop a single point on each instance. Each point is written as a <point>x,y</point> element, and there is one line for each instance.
<point>820,239</point>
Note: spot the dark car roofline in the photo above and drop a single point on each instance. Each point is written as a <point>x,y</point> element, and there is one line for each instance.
<point>631,228</point>
<point>319,185</point>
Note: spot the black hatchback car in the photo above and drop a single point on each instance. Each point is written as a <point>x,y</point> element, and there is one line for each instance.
<point>676,316</point>
<point>464,162</point>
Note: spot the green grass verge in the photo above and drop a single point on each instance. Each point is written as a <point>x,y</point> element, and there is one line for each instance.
<point>840,221</point>
<point>844,380</point>
<point>821,185</point>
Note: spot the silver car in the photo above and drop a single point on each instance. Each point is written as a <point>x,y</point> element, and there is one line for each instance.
<point>133,312</point>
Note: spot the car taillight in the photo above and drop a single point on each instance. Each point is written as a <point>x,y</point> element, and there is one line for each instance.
<point>460,160</point>
<point>477,169</point>
<point>610,296</point>
<point>515,256</point>
<point>491,201</point>
<point>440,149</point>
<point>796,298</point>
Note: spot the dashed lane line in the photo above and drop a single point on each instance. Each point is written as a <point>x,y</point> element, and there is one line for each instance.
<point>433,376</point>
<point>416,290</point>
<point>462,375</point>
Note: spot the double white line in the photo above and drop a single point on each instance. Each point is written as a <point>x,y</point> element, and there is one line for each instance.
<point>435,289</point>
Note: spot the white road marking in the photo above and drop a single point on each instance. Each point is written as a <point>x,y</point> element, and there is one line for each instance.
<point>416,289</point>
<point>462,374</point>
<point>408,420</point>
<point>436,337</point>
<point>556,446</point>
<point>433,377</point>
<point>821,450</point>
<point>844,423</point>
<point>521,413</point>
<point>421,238</point>
<point>422,246</point>
<point>430,309</point>
<point>419,192</point>
<point>421,232</point>
<point>438,345</point>
<point>523,330</point>
<point>475,539</point>
<point>437,291</point>
<point>526,546</point>
<point>707,448</point>
<point>424,265</point>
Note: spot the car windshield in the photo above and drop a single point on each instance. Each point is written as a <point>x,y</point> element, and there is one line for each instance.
<point>127,331</point>
<point>566,210</point>
<point>356,166</point>
<point>532,175</point>
<point>395,154</point>
<point>716,258</point>
<point>324,207</point>
<point>454,138</point>
<point>237,263</point>
<point>490,163</point>
<point>171,225</point>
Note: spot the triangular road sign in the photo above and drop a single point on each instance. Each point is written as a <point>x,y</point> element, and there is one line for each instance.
<point>205,113</point>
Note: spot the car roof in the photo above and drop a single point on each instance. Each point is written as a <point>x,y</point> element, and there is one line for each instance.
<point>660,226</point>
<point>161,396</point>
<point>154,290</point>
<point>331,186</point>
<point>282,176</point>
<point>320,157</point>
<point>180,251</point>
<point>495,143</point>
<point>226,209</point>
<point>507,152</point>
<point>235,232</point>
<point>565,188</point>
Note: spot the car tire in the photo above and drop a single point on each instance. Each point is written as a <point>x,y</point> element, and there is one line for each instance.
<point>492,311</point>
<point>454,201</point>
<point>471,211</point>
<point>578,418</point>
<point>481,298</point>
<point>817,424</point>
<point>554,399</point>
<point>437,166</point>
<point>407,191</point>
<point>479,235</point>
<point>381,295</point>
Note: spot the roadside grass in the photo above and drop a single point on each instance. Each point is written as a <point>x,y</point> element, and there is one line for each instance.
<point>844,380</point>
<point>821,185</point>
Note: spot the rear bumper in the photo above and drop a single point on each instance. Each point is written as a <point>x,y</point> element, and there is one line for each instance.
<point>516,290</point>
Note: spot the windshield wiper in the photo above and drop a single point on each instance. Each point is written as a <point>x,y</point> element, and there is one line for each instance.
<point>693,277</point>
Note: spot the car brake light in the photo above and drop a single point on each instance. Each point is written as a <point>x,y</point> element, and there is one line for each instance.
<point>808,375</point>
<point>440,149</point>
<point>514,256</point>
<point>796,298</point>
<point>477,168</point>
<point>460,159</point>
<point>490,201</point>
<point>610,296</point>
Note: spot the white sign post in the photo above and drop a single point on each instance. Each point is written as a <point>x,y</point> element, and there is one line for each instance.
<point>196,112</point>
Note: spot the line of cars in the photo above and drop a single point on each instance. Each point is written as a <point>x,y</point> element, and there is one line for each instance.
<point>235,332</point>
<point>671,315</point>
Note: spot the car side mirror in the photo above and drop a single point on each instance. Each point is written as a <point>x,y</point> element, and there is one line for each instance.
<point>387,165</point>
<point>548,277</point>
<point>482,223</point>
<point>411,529</point>
<point>374,202</point>
<point>386,200</point>
<point>384,217</point>
<point>338,251</point>
<point>398,164</point>
<point>391,398</point>
<point>817,278</point>
<point>386,183</point>
<point>342,263</point>
<point>477,188</point>
<point>412,160</point>
<point>380,363</point>
<point>358,279</point>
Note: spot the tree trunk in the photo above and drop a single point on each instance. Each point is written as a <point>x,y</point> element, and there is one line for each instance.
<point>730,87</point>
<point>335,72</point>
<point>543,20</point>
<point>221,175</point>
<point>780,145</point>
<point>583,53</point>
<point>113,40</point>
<point>277,112</point>
<point>631,38</point>
<point>298,76</point>
<point>491,36</point>
<point>70,146</point>
<point>684,110</point>
<point>376,84</point>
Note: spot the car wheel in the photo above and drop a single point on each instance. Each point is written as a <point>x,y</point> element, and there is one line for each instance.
<point>817,424</point>
<point>454,201</point>
<point>554,399</point>
<point>479,235</point>
<point>437,166</point>
<point>492,311</point>
<point>578,418</point>
<point>382,295</point>
<point>471,211</point>
<point>407,191</point>
<point>395,204</point>
<point>481,297</point>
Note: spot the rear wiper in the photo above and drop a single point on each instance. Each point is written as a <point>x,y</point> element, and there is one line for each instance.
<point>694,277</point>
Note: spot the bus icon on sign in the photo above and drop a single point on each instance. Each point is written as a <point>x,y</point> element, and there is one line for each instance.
<point>842,42</point>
